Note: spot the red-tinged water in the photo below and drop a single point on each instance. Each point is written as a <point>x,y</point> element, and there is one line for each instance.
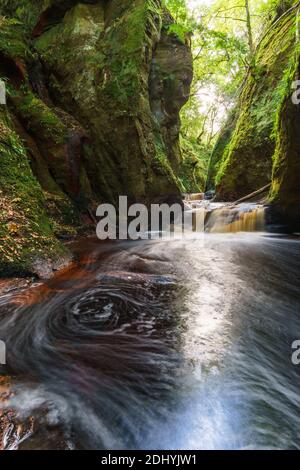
<point>182,344</point>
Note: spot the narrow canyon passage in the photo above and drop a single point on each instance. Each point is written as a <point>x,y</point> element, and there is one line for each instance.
<point>120,122</point>
<point>182,344</point>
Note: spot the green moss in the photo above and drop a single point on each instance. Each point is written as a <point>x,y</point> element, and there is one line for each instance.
<point>69,49</point>
<point>285,178</point>
<point>246,161</point>
<point>63,215</point>
<point>97,58</point>
<point>25,230</point>
<point>50,128</point>
<point>178,30</point>
<point>39,118</point>
<point>12,39</point>
<point>217,155</point>
<point>193,166</point>
<point>25,11</point>
<point>123,47</point>
<point>161,164</point>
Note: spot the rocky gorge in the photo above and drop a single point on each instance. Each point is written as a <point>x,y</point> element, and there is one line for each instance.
<point>157,343</point>
<point>94,94</point>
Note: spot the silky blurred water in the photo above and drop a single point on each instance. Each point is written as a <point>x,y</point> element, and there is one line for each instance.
<point>178,344</point>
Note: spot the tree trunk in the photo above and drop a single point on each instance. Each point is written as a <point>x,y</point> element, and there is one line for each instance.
<point>249,31</point>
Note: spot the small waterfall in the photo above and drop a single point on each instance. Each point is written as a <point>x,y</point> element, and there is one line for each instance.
<point>227,218</point>
<point>232,219</point>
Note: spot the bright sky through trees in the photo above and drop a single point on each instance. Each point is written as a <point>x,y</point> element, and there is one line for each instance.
<point>224,37</point>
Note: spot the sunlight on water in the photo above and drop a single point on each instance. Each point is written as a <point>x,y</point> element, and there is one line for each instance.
<point>162,344</point>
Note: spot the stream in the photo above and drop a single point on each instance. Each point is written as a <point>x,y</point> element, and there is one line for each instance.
<point>154,344</point>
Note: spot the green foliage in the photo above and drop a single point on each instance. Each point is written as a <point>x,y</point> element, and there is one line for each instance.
<point>246,162</point>
<point>178,30</point>
<point>220,46</point>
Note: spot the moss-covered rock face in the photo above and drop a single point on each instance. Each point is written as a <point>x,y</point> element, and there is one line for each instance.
<point>85,80</point>
<point>245,161</point>
<point>260,143</point>
<point>169,88</point>
<point>100,60</point>
<point>192,172</point>
<point>27,241</point>
<point>219,149</point>
<point>285,191</point>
